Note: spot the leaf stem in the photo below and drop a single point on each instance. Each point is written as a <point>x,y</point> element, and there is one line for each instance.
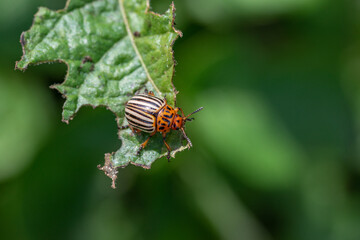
<point>132,40</point>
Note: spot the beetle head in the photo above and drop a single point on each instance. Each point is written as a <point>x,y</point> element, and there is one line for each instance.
<point>177,122</point>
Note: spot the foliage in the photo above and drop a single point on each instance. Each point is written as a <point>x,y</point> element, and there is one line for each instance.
<point>276,153</point>
<point>112,50</point>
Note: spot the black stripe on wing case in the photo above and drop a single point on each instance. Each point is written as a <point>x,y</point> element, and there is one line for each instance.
<point>160,101</point>
<point>140,105</point>
<point>140,126</point>
<point>139,109</point>
<point>150,98</point>
<point>132,117</point>
<point>146,100</point>
<point>132,110</point>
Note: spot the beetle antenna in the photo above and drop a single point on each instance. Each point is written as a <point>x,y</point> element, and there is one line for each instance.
<point>197,110</point>
<point>186,137</point>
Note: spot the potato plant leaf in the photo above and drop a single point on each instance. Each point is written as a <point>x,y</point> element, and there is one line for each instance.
<point>113,49</point>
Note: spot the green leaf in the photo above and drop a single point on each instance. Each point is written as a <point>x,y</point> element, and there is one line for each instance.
<point>113,49</point>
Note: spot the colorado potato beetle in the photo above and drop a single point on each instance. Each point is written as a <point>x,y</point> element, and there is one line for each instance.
<point>150,114</point>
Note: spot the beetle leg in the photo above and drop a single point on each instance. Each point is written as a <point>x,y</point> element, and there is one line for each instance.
<point>167,146</point>
<point>134,130</point>
<point>149,92</point>
<point>182,112</point>
<point>143,145</point>
<point>179,109</point>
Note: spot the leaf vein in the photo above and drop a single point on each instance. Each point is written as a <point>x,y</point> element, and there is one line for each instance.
<point>123,13</point>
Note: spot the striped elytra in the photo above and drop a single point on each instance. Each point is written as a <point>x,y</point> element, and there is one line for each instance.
<point>150,114</point>
<point>140,112</point>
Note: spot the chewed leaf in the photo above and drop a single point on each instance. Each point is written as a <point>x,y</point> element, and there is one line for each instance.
<point>113,49</point>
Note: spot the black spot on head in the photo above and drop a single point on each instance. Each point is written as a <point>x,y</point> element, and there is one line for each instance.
<point>168,108</point>
<point>177,121</point>
<point>161,128</point>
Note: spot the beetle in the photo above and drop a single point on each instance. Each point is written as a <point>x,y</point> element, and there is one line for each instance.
<point>150,114</point>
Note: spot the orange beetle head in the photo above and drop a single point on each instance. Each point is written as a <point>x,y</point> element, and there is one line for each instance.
<point>178,122</point>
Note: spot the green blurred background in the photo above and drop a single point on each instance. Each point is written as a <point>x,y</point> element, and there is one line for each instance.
<point>276,150</point>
